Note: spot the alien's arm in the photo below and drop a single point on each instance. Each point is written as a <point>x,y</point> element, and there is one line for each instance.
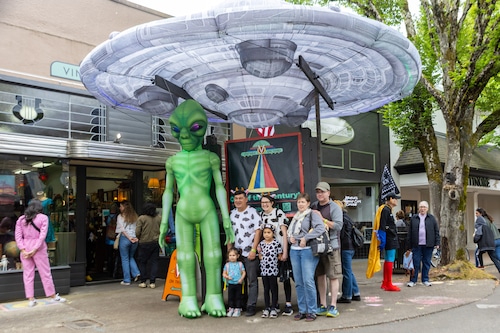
<point>167,199</point>
<point>220,193</point>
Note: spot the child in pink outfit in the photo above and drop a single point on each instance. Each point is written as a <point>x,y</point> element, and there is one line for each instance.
<point>31,230</point>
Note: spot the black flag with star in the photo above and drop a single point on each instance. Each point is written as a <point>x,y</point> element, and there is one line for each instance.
<point>388,184</point>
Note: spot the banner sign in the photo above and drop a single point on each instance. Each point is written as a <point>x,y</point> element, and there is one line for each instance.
<point>271,165</point>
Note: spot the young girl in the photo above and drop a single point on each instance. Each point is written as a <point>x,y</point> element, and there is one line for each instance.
<point>234,275</point>
<point>270,252</point>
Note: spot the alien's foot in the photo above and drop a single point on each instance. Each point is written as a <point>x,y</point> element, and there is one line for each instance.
<point>214,305</point>
<point>189,307</point>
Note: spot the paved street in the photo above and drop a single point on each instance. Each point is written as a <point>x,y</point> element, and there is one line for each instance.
<point>116,308</point>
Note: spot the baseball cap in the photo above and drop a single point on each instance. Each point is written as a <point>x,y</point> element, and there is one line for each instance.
<point>323,186</point>
<point>391,195</point>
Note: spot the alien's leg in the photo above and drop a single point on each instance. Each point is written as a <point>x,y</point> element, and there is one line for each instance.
<point>188,306</point>
<point>212,258</point>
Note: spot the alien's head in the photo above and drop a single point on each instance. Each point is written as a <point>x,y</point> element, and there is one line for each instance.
<point>189,123</point>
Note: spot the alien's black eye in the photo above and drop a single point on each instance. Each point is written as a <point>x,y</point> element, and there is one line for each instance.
<point>175,129</point>
<point>196,127</point>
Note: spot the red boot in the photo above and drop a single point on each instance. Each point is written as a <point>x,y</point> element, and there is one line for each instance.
<point>387,284</point>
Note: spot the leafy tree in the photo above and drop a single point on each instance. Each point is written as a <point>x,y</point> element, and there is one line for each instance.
<point>459,45</point>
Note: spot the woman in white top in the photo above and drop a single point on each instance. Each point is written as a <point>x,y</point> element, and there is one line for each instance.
<point>125,227</point>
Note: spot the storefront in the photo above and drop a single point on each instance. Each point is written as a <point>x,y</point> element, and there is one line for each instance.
<point>65,144</point>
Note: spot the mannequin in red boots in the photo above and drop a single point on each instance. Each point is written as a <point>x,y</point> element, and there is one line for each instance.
<point>388,237</point>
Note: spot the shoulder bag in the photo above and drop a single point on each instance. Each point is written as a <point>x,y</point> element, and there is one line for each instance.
<point>320,245</point>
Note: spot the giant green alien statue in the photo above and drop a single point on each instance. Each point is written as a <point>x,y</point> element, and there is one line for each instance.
<point>193,169</point>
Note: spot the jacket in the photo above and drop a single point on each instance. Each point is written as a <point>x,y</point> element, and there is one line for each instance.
<point>346,234</point>
<point>483,235</point>
<point>432,237</point>
<point>335,213</point>
<point>311,227</point>
<point>388,225</point>
<point>148,228</point>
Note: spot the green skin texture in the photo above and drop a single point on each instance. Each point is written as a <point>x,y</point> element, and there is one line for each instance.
<point>193,169</point>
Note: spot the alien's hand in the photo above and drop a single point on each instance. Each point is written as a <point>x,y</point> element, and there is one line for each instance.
<point>228,229</point>
<point>163,232</point>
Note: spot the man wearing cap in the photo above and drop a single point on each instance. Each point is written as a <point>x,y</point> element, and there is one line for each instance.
<point>388,236</point>
<point>331,265</point>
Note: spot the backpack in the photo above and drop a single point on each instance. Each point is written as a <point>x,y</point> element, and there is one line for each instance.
<point>356,235</point>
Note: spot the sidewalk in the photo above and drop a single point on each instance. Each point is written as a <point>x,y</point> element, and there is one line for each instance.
<point>116,308</point>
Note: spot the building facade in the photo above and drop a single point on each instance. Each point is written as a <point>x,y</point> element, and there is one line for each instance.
<point>57,139</point>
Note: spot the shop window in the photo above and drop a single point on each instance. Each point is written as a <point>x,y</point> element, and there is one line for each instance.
<point>23,179</point>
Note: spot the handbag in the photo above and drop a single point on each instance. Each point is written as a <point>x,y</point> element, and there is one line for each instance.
<point>117,242</point>
<point>320,245</point>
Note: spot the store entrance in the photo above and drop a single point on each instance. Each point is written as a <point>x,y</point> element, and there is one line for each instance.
<point>105,189</point>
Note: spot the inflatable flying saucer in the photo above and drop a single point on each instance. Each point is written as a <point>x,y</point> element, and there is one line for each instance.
<point>246,62</point>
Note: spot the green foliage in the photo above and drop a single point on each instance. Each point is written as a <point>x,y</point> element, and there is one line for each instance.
<point>410,118</point>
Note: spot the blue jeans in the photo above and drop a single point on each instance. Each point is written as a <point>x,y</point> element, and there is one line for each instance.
<point>422,255</point>
<point>349,283</point>
<point>127,251</point>
<point>303,266</point>
<point>497,247</point>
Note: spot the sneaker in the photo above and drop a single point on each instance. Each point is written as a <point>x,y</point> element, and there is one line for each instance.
<point>427,283</point>
<point>322,310</point>
<point>58,299</point>
<point>343,300</point>
<point>310,317</point>
<point>356,298</point>
<point>142,285</point>
<point>410,284</point>
<point>288,311</point>
<point>237,312</point>
<point>265,313</point>
<point>332,312</point>
<point>137,277</point>
<point>277,308</point>
<point>152,285</point>
<point>123,283</point>
<point>250,311</point>
<point>230,312</point>
<point>273,314</point>
<point>32,303</point>
<point>299,316</point>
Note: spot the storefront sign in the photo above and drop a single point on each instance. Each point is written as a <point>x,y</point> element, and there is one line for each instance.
<point>65,71</point>
<point>351,201</point>
<point>479,181</point>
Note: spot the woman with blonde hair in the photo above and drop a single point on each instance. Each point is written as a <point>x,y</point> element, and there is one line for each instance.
<point>125,227</point>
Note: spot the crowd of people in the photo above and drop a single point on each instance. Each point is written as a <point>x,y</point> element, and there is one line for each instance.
<point>269,245</point>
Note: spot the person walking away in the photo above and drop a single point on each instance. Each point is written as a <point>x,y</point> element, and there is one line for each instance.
<point>276,217</point>
<point>305,225</point>
<point>350,289</point>
<point>388,238</point>
<point>30,233</point>
<point>125,227</point>
<point>234,275</point>
<point>246,223</point>
<point>147,231</point>
<point>270,252</point>
<point>329,266</point>
<point>484,238</point>
<point>494,229</point>
<point>423,237</point>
